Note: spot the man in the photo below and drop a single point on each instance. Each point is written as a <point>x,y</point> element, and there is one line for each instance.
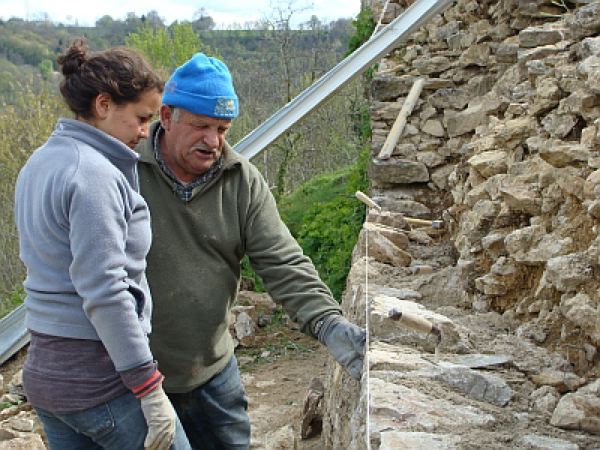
<point>209,208</point>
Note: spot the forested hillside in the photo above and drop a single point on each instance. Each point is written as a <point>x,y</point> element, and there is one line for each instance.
<point>25,45</point>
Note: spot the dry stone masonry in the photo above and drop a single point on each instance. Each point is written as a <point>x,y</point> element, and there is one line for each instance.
<point>503,145</point>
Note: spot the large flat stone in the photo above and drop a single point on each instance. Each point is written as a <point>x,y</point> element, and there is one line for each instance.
<point>539,442</point>
<point>396,407</point>
<point>398,171</point>
<point>384,356</point>
<point>395,440</point>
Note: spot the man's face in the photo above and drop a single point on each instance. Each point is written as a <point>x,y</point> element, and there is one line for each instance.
<point>128,122</point>
<point>192,142</point>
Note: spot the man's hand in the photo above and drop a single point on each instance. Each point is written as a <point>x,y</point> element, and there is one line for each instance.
<point>345,341</point>
<point>160,417</point>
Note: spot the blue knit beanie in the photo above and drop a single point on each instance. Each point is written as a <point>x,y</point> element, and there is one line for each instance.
<point>202,85</point>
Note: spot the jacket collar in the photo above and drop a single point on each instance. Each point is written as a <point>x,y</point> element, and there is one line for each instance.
<point>115,151</point>
<point>96,138</point>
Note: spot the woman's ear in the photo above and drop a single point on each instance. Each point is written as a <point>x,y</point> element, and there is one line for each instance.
<point>101,105</point>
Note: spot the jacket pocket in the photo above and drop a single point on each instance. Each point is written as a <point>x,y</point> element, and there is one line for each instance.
<point>138,295</point>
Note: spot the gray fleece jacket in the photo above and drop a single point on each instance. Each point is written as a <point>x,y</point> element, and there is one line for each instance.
<point>84,232</point>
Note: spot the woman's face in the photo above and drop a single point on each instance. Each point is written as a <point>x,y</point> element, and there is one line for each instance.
<point>128,122</point>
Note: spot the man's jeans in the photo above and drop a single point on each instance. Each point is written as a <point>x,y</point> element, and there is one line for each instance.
<point>116,425</point>
<point>215,415</point>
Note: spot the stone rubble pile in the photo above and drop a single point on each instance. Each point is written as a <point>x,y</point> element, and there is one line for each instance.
<point>19,426</point>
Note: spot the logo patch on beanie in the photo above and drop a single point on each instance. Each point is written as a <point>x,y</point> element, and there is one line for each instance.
<point>224,107</point>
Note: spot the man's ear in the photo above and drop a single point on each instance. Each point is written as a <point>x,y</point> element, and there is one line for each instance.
<point>101,105</point>
<point>166,116</point>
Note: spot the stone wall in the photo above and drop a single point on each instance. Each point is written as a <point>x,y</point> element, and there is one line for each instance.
<point>503,146</point>
<point>345,402</point>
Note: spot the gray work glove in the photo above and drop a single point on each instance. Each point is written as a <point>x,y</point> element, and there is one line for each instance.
<point>344,340</point>
<point>160,418</point>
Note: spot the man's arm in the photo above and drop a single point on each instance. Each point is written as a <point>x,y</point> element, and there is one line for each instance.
<point>292,280</point>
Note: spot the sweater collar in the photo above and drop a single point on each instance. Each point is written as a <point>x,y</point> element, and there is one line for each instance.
<point>96,138</point>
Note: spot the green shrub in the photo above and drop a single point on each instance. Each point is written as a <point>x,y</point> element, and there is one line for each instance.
<point>325,217</point>
<point>249,274</point>
<point>319,190</point>
<point>364,25</point>
<point>11,301</point>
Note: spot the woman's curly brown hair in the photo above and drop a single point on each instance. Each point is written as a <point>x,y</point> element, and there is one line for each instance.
<point>119,72</point>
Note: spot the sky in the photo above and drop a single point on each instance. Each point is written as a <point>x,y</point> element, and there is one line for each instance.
<point>223,12</point>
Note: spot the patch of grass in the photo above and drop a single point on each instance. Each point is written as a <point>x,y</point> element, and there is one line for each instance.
<point>11,301</point>
<point>277,324</point>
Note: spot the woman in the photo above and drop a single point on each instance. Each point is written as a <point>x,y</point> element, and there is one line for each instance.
<point>84,232</point>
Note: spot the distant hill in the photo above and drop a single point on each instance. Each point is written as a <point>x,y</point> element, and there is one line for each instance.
<point>25,45</point>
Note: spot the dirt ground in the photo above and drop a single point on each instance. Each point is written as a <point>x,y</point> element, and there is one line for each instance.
<point>277,383</point>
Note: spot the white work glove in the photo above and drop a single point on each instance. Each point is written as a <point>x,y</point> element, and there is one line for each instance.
<point>160,417</point>
<point>344,340</point>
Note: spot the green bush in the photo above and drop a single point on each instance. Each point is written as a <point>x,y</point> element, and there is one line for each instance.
<point>325,217</point>
<point>249,274</point>
<point>364,25</point>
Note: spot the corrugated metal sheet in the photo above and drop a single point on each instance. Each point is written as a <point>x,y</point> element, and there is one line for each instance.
<point>13,334</point>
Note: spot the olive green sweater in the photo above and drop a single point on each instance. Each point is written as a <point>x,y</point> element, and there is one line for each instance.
<point>194,265</point>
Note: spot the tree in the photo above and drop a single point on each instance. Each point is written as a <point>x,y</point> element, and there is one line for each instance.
<point>165,48</point>
<point>281,32</point>
<point>202,21</point>
<point>105,21</point>
<point>45,69</point>
<point>153,19</point>
<point>132,21</point>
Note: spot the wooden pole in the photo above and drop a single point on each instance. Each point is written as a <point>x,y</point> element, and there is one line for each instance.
<point>367,200</point>
<point>398,127</point>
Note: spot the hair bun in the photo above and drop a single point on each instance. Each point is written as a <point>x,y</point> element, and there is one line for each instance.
<point>74,57</point>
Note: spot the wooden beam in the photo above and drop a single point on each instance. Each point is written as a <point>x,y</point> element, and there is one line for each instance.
<point>398,127</point>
